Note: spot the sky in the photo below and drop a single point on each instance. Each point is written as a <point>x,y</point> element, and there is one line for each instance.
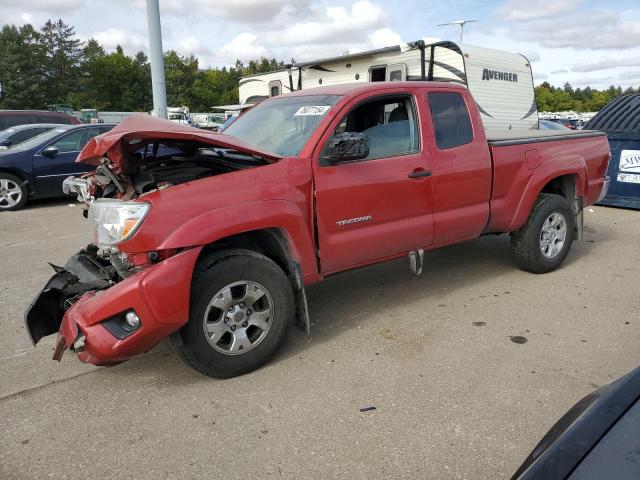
<point>586,43</point>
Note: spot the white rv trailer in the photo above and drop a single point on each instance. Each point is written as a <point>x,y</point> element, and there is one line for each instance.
<point>500,82</point>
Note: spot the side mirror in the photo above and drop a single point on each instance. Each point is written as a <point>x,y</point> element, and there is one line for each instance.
<point>5,143</point>
<point>50,152</point>
<point>347,146</point>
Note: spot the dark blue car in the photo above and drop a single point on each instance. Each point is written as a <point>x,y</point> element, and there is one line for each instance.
<point>37,167</point>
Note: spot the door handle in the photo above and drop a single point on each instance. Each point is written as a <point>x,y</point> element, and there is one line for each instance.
<point>420,173</point>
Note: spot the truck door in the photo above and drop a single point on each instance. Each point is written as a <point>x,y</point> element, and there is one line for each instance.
<point>461,170</point>
<point>380,206</point>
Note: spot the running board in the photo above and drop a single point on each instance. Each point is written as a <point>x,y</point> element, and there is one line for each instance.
<point>416,260</point>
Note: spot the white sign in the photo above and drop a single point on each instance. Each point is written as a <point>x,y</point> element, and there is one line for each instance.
<point>628,178</point>
<point>313,110</point>
<point>630,161</point>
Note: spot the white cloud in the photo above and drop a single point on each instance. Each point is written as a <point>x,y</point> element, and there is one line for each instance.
<point>246,11</point>
<point>244,46</point>
<point>240,11</point>
<point>112,37</point>
<point>604,29</point>
<point>190,45</point>
<point>26,18</point>
<point>385,37</point>
<point>338,25</point>
<point>633,76</point>
<point>532,56</point>
<point>524,10</point>
<point>54,6</point>
<point>605,63</point>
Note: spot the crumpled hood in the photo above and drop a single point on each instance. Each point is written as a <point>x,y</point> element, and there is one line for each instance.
<point>115,143</point>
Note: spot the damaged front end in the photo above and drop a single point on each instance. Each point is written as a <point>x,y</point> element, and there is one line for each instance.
<point>83,272</point>
<point>117,298</point>
<point>107,312</point>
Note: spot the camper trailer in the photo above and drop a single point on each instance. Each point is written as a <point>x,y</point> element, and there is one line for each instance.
<point>500,82</point>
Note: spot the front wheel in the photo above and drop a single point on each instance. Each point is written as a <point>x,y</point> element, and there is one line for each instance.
<point>544,241</point>
<point>13,194</point>
<point>241,308</point>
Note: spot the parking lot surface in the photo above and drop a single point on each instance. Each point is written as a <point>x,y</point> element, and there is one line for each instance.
<point>467,367</point>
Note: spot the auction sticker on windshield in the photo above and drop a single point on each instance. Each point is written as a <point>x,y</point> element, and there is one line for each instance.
<point>312,110</point>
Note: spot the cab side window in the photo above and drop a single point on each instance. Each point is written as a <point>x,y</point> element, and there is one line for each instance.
<point>451,122</point>
<point>390,125</point>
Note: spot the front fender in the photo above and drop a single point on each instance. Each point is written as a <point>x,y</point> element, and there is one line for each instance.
<point>217,224</point>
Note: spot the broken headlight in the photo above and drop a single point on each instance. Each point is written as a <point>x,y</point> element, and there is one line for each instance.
<point>114,221</point>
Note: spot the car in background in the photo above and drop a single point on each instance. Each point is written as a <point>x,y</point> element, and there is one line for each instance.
<point>37,167</point>
<point>11,118</point>
<point>14,135</point>
<point>571,123</point>
<point>208,121</point>
<point>551,125</point>
<point>598,438</point>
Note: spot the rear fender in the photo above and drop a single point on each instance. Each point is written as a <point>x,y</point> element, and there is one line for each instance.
<point>570,165</point>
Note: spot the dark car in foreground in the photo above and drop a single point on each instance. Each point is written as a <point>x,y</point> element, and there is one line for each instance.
<point>11,118</point>
<point>14,135</point>
<point>599,438</point>
<point>36,167</point>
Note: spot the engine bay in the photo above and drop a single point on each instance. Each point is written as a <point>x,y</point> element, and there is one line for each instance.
<point>156,166</point>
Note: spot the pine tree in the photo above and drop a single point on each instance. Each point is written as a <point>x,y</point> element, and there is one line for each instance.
<point>21,68</point>
<point>63,55</point>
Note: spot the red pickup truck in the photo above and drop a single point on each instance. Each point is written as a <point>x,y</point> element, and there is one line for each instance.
<point>211,238</point>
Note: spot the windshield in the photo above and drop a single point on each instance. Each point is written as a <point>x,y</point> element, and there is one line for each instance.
<point>282,125</point>
<point>6,133</point>
<point>38,140</point>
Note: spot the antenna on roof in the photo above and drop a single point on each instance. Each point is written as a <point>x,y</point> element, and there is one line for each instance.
<point>460,23</point>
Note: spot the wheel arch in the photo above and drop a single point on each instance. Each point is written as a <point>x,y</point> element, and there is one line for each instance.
<point>275,244</point>
<point>19,174</point>
<point>568,182</point>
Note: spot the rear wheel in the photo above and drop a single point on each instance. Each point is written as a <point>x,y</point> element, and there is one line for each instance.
<point>543,243</point>
<point>241,308</point>
<point>13,195</point>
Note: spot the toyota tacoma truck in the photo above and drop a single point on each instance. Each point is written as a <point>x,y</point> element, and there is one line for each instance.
<point>211,239</point>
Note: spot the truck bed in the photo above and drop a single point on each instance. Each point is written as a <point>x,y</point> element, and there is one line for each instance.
<point>500,138</point>
<point>524,161</point>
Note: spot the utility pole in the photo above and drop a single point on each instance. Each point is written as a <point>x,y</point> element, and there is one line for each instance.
<point>461,24</point>
<point>156,59</point>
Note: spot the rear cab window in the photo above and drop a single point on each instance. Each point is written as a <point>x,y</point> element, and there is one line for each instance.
<point>450,117</point>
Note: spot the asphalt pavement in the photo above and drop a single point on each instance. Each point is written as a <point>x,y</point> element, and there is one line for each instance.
<point>467,368</point>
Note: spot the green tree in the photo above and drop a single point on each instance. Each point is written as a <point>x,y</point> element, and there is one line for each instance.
<point>21,67</point>
<point>180,76</point>
<point>63,53</point>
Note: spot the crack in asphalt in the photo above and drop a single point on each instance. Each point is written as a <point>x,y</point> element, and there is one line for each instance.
<point>10,396</point>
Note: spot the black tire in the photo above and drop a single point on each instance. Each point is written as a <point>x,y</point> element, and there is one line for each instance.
<point>526,242</point>
<point>7,204</point>
<point>214,273</point>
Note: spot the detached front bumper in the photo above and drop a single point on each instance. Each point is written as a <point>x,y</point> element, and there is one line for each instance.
<point>88,311</point>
